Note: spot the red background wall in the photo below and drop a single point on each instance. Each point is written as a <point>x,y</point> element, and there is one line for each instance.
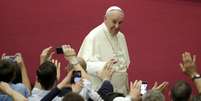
<point>157,31</point>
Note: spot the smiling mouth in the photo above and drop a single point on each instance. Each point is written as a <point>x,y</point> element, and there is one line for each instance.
<point>116,30</point>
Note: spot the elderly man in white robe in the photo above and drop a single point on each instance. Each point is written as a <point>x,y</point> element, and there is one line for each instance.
<point>105,43</point>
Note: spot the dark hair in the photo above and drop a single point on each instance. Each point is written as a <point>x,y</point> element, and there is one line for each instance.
<point>18,75</point>
<point>46,74</point>
<point>181,91</point>
<point>7,71</point>
<point>111,96</point>
<point>73,97</point>
<point>153,95</point>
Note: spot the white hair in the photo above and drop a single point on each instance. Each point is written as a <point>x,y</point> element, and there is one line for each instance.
<point>153,95</point>
<point>122,99</point>
<point>112,8</point>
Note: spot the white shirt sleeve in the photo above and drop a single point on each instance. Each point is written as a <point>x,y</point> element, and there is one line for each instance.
<point>87,92</point>
<point>94,95</point>
<point>94,67</point>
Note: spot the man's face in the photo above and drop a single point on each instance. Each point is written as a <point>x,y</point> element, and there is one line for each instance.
<point>113,21</point>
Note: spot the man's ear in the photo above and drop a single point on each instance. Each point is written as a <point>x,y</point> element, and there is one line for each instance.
<point>105,18</point>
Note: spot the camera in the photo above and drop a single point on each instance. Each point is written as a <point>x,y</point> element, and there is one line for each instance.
<point>76,76</point>
<point>10,58</point>
<point>59,50</point>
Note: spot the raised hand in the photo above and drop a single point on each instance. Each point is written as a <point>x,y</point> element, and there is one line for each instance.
<point>160,87</point>
<point>69,53</point>
<point>19,58</point>
<point>135,90</point>
<point>188,65</point>
<point>46,55</point>
<point>107,71</point>
<point>58,66</point>
<point>77,87</point>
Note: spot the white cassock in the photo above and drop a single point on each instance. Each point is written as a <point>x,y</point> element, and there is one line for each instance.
<point>98,47</point>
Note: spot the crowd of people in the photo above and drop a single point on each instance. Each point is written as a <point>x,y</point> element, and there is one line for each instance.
<point>46,87</point>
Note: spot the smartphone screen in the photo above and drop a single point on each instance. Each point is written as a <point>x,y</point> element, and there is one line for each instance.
<point>59,50</point>
<point>76,76</point>
<point>143,88</point>
<point>77,79</point>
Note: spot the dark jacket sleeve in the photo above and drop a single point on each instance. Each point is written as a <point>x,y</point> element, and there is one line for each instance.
<point>105,88</point>
<point>55,92</point>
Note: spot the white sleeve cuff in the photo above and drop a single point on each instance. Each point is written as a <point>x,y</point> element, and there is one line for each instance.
<point>94,67</point>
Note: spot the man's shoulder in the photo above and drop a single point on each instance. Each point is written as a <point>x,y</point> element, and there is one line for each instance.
<point>38,94</point>
<point>18,86</point>
<point>96,33</point>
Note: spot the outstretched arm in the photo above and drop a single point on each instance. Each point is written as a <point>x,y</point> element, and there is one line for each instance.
<point>188,66</point>
<point>25,78</point>
<point>5,88</point>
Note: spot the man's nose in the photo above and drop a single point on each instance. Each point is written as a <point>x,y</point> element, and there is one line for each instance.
<point>117,25</point>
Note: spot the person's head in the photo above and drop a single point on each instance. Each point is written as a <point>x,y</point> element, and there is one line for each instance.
<point>46,75</point>
<point>12,61</point>
<point>114,17</point>
<point>112,96</point>
<point>181,91</point>
<point>7,71</point>
<point>72,97</point>
<point>153,95</point>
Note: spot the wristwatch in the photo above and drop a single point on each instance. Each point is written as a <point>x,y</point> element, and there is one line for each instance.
<point>196,76</point>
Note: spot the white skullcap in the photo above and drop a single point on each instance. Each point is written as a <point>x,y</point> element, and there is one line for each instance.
<point>113,8</point>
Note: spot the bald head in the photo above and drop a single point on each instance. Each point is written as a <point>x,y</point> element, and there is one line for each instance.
<point>113,18</point>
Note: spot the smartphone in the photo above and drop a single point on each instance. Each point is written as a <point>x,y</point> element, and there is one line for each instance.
<point>143,88</point>
<point>76,76</point>
<point>59,50</point>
